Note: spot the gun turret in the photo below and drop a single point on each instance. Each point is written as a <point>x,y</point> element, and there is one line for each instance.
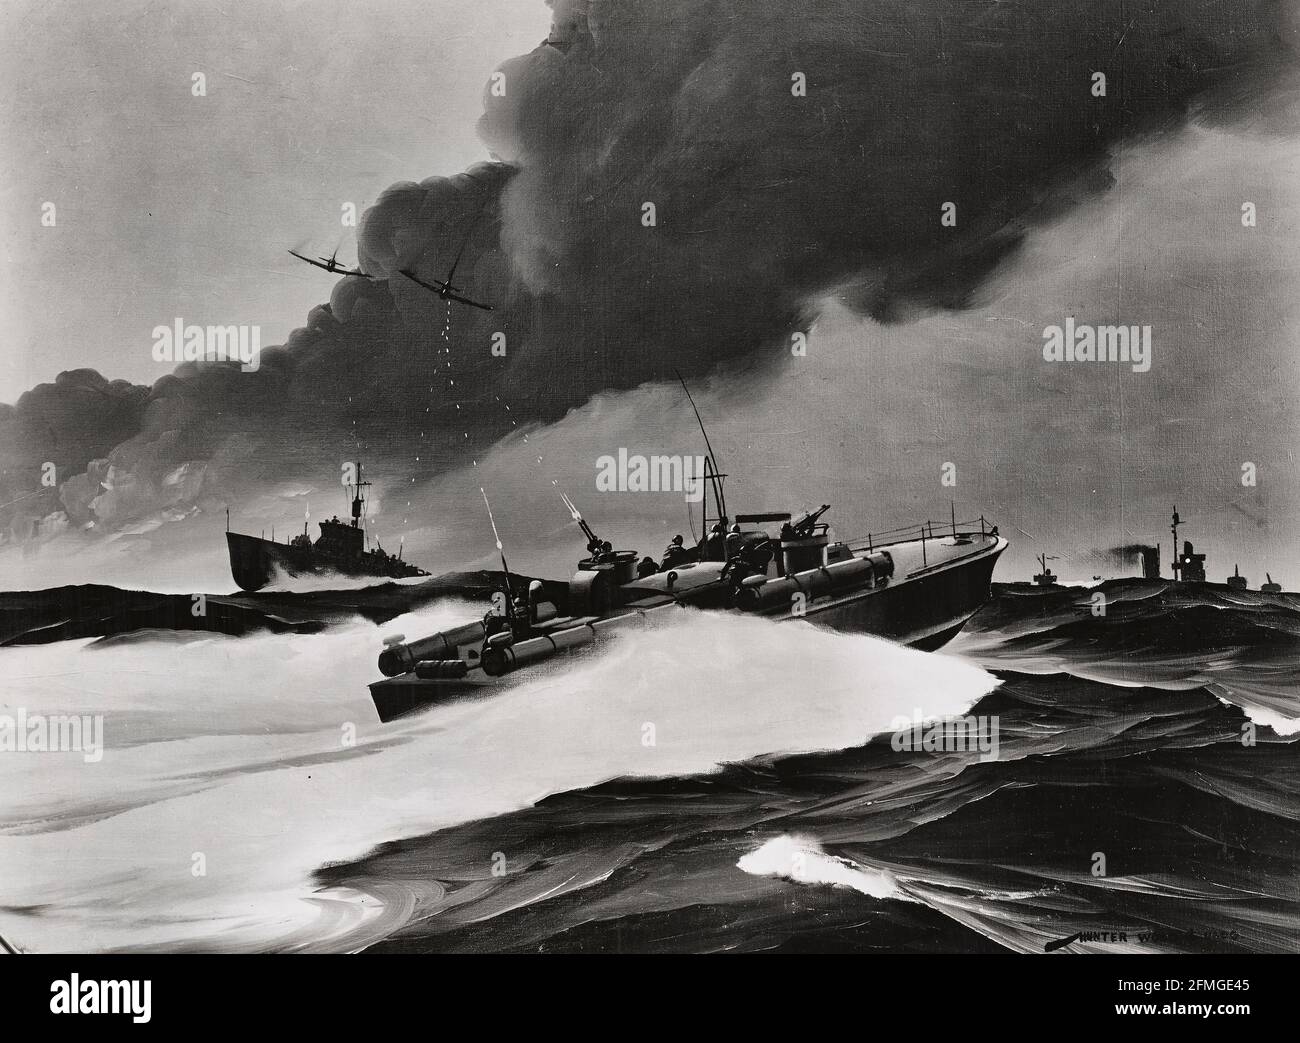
<point>595,545</point>
<point>804,525</point>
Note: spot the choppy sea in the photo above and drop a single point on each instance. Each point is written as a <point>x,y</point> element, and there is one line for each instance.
<point>716,783</point>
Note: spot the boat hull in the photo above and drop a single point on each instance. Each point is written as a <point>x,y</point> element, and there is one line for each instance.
<point>254,562</point>
<point>925,608</point>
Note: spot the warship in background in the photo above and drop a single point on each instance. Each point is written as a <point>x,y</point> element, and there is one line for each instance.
<point>1046,578</point>
<point>1238,582</point>
<point>1187,566</point>
<point>343,548</point>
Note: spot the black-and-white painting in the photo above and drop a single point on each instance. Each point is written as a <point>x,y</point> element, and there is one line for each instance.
<point>650,476</point>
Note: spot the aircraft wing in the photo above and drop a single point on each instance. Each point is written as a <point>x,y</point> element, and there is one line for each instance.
<point>315,264</point>
<point>466,300</point>
<point>407,273</point>
<point>440,288</point>
<point>435,286</point>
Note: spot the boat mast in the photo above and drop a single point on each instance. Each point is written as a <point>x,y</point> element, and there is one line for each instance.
<point>510,596</point>
<point>711,473</point>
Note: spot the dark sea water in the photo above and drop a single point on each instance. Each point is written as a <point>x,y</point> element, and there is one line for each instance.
<point>1128,735</point>
<point>1144,797</point>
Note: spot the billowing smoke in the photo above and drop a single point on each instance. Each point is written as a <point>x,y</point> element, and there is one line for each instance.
<point>1126,553</point>
<point>676,184</point>
<point>1127,556</point>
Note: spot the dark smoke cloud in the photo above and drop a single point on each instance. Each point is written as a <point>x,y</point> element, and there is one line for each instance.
<point>766,199</point>
<point>765,202</point>
<point>1128,550</point>
<point>1126,555</point>
<point>67,424</point>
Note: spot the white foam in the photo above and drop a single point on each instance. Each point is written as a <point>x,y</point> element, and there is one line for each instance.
<point>802,860</point>
<point>326,581</point>
<point>235,748</point>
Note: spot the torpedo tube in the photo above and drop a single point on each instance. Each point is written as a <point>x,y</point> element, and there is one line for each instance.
<point>759,593</point>
<point>399,658</point>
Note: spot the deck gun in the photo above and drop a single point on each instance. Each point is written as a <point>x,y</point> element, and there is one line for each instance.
<point>595,545</point>
<point>804,526</point>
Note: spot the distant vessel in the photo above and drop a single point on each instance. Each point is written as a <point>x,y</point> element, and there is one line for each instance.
<point>1189,567</point>
<point>1046,578</point>
<point>1150,562</point>
<point>341,548</point>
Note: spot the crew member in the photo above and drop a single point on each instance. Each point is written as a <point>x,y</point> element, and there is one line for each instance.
<point>675,554</point>
<point>712,543</point>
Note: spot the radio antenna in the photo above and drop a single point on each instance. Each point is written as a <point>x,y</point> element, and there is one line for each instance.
<point>510,597</point>
<point>698,419</point>
<point>717,475</point>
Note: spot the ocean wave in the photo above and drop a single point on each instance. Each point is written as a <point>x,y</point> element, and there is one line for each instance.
<point>260,757</point>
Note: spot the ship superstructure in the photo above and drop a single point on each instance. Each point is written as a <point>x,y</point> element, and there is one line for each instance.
<point>342,547</point>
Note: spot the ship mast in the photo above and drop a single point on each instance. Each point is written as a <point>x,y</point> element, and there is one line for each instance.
<point>359,501</point>
<point>1174,529</point>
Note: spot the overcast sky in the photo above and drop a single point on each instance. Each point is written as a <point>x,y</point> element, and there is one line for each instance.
<point>170,205</point>
<point>174,206</point>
